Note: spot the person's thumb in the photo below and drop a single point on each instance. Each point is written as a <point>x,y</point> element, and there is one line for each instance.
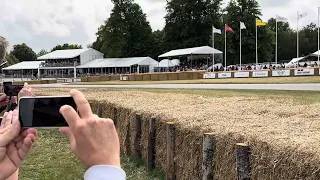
<point>66,131</point>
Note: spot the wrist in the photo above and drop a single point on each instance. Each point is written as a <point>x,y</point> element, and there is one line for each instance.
<point>14,176</point>
<point>99,161</point>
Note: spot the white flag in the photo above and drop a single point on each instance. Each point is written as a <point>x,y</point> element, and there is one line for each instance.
<point>214,30</point>
<point>281,19</point>
<point>300,16</point>
<point>242,26</point>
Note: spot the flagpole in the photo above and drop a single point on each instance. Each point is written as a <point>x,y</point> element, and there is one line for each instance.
<point>240,48</point>
<point>213,50</point>
<point>225,47</point>
<point>297,34</point>
<point>318,35</point>
<point>256,43</point>
<point>276,39</point>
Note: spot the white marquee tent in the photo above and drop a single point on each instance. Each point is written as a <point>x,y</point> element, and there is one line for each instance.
<point>165,63</point>
<point>203,50</point>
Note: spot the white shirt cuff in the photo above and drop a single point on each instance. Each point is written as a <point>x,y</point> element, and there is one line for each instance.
<point>104,172</point>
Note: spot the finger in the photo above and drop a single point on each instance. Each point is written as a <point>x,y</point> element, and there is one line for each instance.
<point>8,119</point>
<point>3,97</point>
<point>8,134</point>
<point>66,131</point>
<point>25,148</point>
<point>82,104</point>
<point>4,119</point>
<point>70,115</point>
<point>24,133</point>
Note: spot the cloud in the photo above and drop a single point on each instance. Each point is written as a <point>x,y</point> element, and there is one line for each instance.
<point>42,24</point>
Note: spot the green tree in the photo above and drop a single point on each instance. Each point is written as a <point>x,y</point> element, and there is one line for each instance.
<point>189,23</point>
<point>247,11</point>
<point>3,47</point>
<point>286,40</point>
<point>158,43</point>
<point>308,39</point>
<point>11,59</point>
<point>23,52</point>
<point>42,52</point>
<point>126,33</point>
<point>66,46</point>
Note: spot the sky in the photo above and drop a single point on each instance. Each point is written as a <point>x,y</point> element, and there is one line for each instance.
<point>42,24</point>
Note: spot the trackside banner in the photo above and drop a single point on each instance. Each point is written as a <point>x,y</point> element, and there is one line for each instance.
<point>209,76</point>
<point>260,73</point>
<point>241,74</point>
<point>303,72</point>
<point>224,75</point>
<point>277,73</point>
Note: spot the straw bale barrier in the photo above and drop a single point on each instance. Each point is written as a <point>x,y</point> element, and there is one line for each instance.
<point>283,134</point>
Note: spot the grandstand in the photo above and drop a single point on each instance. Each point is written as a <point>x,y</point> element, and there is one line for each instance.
<point>85,62</point>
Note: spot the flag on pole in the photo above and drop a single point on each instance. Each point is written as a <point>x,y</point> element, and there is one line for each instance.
<point>214,30</point>
<point>242,25</point>
<point>260,23</point>
<point>303,15</point>
<point>281,19</point>
<point>228,28</point>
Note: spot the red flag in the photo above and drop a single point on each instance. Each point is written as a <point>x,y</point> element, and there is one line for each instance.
<point>228,28</point>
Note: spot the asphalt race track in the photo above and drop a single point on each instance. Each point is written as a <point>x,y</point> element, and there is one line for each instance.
<point>299,87</point>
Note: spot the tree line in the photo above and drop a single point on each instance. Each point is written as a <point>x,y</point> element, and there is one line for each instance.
<point>127,32</point>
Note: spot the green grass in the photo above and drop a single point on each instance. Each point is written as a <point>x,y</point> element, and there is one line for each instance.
<point>299,96</point>
<point>270,80</point>
<point>52,159</point>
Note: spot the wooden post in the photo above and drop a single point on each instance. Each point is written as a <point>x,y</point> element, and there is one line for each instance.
<point>208,154</point>
<point>243,161</point>
<point>151,144</point>
<point>137,137</point>
<point>99,111</point>
<point>170,166</point>
<point>115,116</point>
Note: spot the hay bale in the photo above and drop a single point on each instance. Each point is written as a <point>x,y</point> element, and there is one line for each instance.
<point>138,77</point>
<point>93,78</point>
<point>183,76</point>
<point>163,76</point>
<point>146,77</point>
<point>52,81</point>
<point>154,77</point>
<point>115,78</point>
<point>172,76</point>
<point>105,78</point>
<point>84,79</point>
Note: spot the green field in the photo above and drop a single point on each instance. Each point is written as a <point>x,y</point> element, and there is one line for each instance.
<point>52,159</point>
<point>271,80</point>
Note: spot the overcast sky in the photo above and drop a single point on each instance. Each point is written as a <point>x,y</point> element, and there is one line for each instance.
<point>42,24</point>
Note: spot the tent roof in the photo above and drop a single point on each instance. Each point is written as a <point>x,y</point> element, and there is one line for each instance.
<point>195,50</point>
<point>24,65</point>
<point>165,63</point>
<point>63,54</point>
<point>118,62</point>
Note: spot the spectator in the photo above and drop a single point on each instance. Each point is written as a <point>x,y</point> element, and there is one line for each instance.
<point>93,140</point>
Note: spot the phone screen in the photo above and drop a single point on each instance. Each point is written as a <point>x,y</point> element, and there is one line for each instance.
<point>43,111</point>
<point>11,90</point>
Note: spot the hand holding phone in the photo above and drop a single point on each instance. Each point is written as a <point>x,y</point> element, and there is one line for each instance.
<point>90,137</point>
<point>43,111</point>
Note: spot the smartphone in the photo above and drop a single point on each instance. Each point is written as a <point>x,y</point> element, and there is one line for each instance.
<point>43,111</point>
<point>11,90</point>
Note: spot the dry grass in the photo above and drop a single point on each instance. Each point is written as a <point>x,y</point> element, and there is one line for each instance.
<point>283,131</point>
<point>270,80</point>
